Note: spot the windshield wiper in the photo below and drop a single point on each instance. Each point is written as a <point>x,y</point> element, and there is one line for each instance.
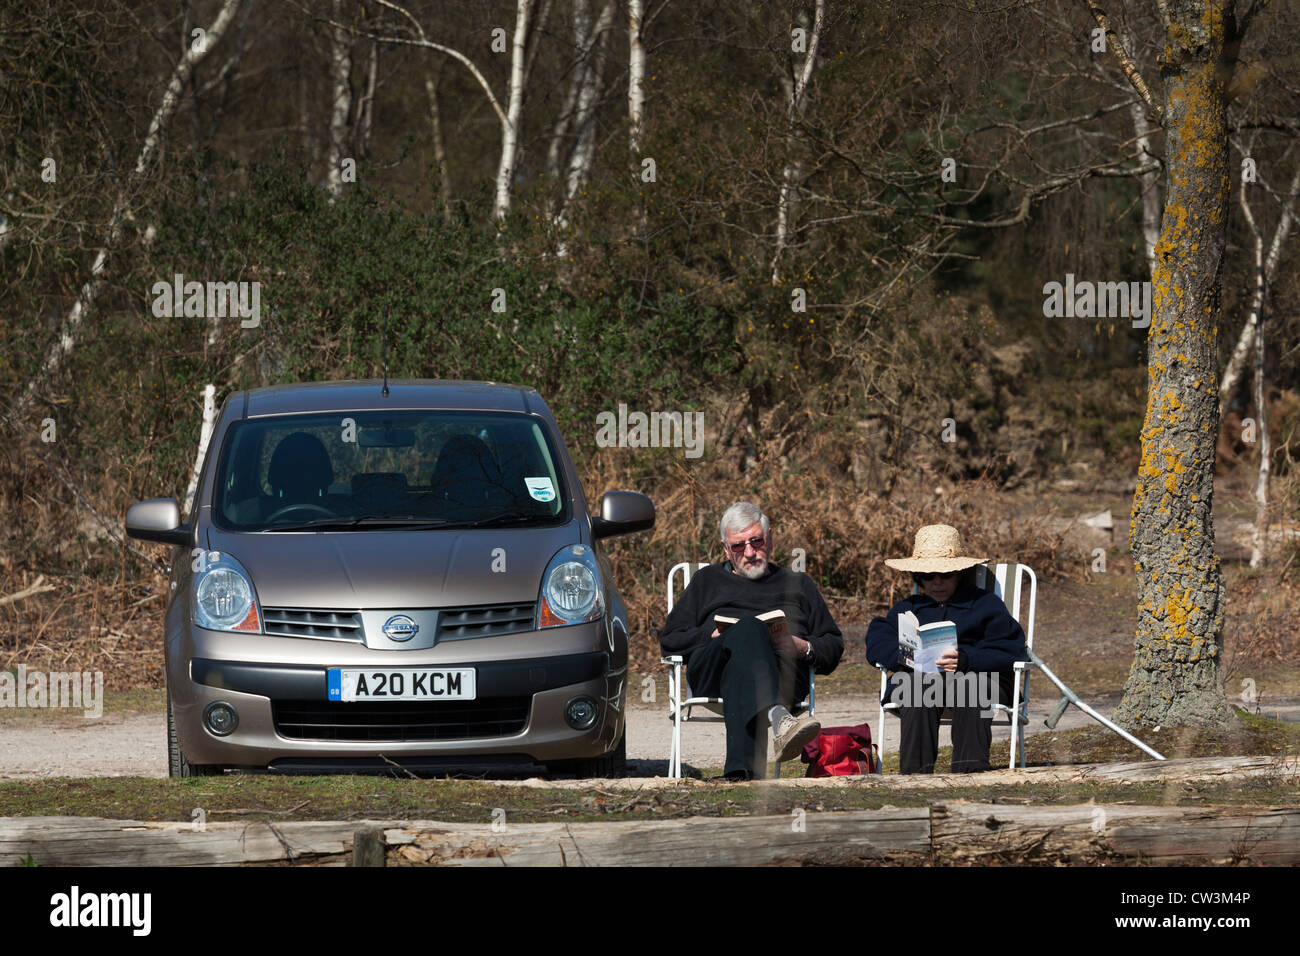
<point>410,522</point>
<point>507,518</point>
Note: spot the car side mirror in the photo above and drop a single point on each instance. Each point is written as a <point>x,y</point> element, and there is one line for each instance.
<point>158,519</point>
<point>623,512</point>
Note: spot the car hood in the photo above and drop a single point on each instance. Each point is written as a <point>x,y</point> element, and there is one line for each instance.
<point>395,569</point>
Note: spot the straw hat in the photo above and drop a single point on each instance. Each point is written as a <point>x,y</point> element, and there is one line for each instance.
<point>937,549</point>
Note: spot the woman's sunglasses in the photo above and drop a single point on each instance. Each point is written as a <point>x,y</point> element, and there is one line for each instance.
<point>931,575</point>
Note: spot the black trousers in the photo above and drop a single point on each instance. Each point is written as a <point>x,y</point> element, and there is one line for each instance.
<point>972,735</point>
<point>740,666</point>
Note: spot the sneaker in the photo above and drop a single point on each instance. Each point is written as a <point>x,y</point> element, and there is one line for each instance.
<point>791,735</point>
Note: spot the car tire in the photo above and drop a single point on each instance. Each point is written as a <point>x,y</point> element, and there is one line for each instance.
<point>177,765</point>
<point>612,764</point>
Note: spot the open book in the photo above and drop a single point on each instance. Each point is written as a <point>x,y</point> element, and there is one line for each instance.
<point>775,621</point>
<point>922,645</point>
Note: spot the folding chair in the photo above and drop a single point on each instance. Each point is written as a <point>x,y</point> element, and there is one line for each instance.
<point>1007,581</point>
<point>681,700</point>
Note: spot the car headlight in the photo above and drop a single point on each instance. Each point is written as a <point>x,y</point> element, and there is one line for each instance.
<point>570,589</point>
<point>223,595</point>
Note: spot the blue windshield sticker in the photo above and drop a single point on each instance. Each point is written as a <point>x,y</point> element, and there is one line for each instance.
<point>540,489</point>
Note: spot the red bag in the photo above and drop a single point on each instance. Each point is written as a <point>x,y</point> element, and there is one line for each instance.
<point>841,752</point>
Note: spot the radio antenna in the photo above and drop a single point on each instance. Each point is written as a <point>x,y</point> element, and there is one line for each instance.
<point>385,391</point>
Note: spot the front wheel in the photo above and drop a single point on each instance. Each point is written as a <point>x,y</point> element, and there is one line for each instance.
<point>612,764</point>
<point>177,765</point>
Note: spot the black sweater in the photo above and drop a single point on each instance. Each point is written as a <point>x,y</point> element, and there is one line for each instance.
<point>988,637</point>
<point>717,589</point>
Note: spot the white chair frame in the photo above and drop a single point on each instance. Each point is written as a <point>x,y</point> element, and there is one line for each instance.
<point>681,701</point>
<point>1007,581</point>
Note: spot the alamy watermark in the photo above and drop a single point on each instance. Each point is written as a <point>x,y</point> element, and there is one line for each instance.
<point>75,908</point>
<point>946,689</point>
<point>1083,299</point>
<point>208,300</point>
<point>75,689</point>
<point>651,430</point>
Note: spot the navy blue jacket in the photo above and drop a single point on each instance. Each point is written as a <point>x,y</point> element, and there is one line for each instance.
<point>988,637</point>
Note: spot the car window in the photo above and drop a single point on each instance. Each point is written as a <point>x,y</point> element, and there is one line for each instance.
<point>357,469</point>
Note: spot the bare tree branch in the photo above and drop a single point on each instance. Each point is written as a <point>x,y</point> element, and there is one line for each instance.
<point>1116,46</point>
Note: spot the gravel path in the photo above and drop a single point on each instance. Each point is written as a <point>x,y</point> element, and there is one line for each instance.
<point>135,746</point>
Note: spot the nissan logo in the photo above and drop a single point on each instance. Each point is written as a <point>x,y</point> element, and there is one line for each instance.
<point>399,627</point>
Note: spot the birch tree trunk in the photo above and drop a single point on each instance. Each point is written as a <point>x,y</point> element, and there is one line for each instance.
<point>1149,184</point>
<point>366,115</point>
<point>584,120</point>
<point>556,151</point>
<point>1259,539</point>
<point>439,147</point>
<point>514,112</point>
<point>1175,678</point>
<point>790,174</point>
<point>1240,352</point>
<point>1259,536</point>
<point>205,435</point>
<point>517,78</point>
<point>70,330</point>
<point>340,103</point>
<point>635,76</point>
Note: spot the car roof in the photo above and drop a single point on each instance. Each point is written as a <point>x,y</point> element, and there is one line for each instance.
<point>361,396</point>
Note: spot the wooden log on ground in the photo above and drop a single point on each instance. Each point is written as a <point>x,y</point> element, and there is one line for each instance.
<point>956,832</point>
<point>93,841</point>
<point>700,841</point>
<point>974,832</point>
<point>694,841</point>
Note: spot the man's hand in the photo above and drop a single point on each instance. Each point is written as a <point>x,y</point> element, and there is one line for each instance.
<point>716,632</point>
<point>947,661</point>
<point>786,644</point>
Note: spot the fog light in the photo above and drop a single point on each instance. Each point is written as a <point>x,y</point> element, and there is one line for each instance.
<point>581,713</point>
<point>221,719</point>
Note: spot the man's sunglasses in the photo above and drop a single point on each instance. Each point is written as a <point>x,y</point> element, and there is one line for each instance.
<point>931,575</point>
<point>758,544</point>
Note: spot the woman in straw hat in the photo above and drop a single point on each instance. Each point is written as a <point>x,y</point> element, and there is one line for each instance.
<point>989,642</point>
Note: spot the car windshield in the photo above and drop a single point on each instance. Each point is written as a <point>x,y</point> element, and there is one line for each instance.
<point>375,470</point>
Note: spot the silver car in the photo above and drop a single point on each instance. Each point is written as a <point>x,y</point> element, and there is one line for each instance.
<point>391,576</point>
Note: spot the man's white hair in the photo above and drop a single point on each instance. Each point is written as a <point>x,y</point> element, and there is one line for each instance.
<point>740,516</point>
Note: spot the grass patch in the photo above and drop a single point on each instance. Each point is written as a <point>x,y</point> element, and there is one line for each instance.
<point>1254,736</point>
<point>117,705</point>
<point>272,798</point>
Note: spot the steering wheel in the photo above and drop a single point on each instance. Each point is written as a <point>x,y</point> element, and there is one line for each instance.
<point>303,506</point>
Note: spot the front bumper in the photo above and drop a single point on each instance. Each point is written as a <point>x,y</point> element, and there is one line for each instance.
<point>278,687</point>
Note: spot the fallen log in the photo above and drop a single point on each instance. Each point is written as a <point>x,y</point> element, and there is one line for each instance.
<point>700,841</point>
<point>695,841</point>
<point>972,832</point>
<point>93,841</point>
<point>955,832</point>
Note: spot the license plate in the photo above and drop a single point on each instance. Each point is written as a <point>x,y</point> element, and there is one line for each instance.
<point>352,684</point>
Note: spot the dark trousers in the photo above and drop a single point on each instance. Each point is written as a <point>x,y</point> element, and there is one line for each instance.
<point>740,666</point>
<point>972,734</point>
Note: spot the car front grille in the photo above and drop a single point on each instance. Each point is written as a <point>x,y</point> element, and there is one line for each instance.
<point>397,721</point>
<point>459,623</point>
<point>302,622</point>
<point>454,623</point>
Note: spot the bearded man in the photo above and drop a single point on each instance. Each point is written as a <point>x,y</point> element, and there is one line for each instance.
<point>759,671</point>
